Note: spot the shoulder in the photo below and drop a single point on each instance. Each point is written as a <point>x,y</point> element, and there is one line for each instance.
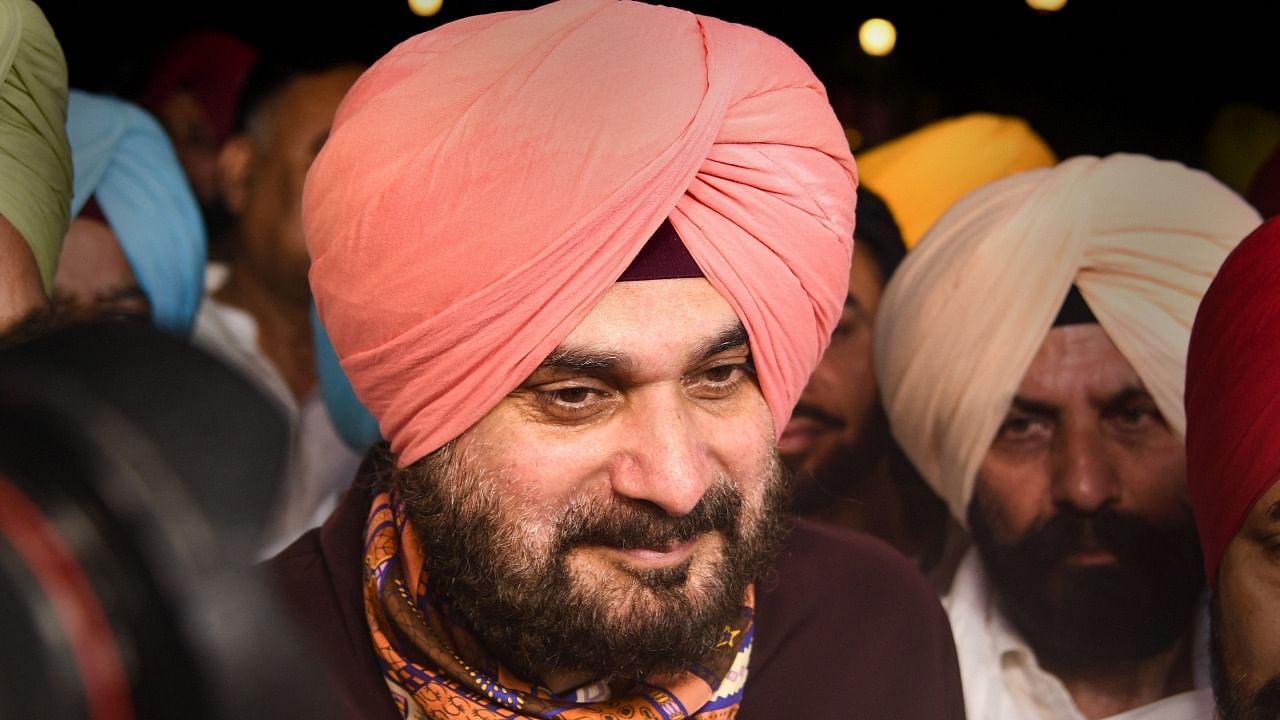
<point>822,565</point>
<point>844,610</point>
<point>318,579</point>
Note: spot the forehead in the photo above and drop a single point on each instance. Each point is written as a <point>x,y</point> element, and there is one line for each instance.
<point>654,317</point>
<point>310,100</point>
<point>1077,360</point>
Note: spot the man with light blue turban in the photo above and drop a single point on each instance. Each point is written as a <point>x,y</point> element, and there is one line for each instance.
<point>138,233</point>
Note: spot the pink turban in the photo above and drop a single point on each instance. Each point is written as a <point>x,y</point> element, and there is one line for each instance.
<point>1233,392</point>
<point>485,183</point>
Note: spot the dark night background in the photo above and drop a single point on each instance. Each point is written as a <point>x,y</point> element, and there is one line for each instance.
<point>1099,76</point>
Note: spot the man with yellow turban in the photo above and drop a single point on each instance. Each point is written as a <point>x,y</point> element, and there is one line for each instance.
<point>35,160</point>
<point>578,262</point>
<point>923,173</point>
<point>1030,354</point>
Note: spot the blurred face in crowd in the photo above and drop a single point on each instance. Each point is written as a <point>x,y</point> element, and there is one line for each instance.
<point>1080,510</point>
<point>94,277</point>
<point>837,429</point>
<point>264,170</point>
<point>21,291</point>
<point>1246,617</point>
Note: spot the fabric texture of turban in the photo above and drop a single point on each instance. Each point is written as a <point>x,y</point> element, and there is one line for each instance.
<point>485,183</point>
<point>35,161</point>
<point>922,173</point>
<point>124,159</point>
<point>1233,392</point>
<point>965,314</point>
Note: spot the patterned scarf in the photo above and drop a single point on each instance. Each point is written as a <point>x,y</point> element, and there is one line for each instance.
<point>422,653</point>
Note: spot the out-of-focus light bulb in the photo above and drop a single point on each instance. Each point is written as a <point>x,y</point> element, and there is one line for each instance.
<point>425,8</point>
<point>1047,5</point>
<point>877,37</point>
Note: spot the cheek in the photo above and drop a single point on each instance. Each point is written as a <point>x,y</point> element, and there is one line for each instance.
<point>1012,495</point>
<point>1156,481</point>
<point>1248,595</point>
<point>536,471</point>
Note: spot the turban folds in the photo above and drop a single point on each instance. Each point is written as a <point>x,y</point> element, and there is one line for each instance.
<point>1233,392</point>
<point>965,314</point>
<point>125,160</point>
<point>486,182</point>
<point>924,172</point>
<point>35,161</point>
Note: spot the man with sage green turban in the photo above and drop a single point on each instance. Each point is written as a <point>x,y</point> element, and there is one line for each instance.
<point>35,160</point>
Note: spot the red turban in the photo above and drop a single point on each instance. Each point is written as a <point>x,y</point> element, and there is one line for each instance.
<point>1233,392</point>
<point>212,66</point>
<point>485,183</point>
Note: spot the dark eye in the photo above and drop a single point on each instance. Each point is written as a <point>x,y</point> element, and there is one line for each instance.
<point>573,402</point>
<point>1024,429</point>
<point>721,374</point>
<point>718,382</point>
<point>571,396</point>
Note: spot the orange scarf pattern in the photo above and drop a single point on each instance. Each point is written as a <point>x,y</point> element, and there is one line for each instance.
<point>422,653</point>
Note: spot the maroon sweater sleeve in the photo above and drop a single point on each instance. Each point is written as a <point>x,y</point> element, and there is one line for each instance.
<point>318,577</point>
<point>848,628</point>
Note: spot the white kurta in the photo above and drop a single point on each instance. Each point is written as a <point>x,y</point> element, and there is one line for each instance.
<point>320,465</point>
<point>1003,681</point>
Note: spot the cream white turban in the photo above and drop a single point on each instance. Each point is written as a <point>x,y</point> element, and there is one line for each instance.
<point>967,311</point>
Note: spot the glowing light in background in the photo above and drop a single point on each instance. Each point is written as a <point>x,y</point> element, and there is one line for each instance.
<point>427,8</point>
<point>1047,5</point>
<point>877,37</point>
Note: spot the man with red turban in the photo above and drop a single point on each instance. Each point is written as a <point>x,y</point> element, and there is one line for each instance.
<point>578,262</point>
<point>1233,464</point>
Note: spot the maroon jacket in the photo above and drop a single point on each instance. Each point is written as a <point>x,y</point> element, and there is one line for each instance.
<point>845,627</point>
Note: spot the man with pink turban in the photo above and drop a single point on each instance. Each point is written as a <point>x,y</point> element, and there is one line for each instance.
<point>578,262</point>
<point>1030,353</point>
<point>1233,467</point>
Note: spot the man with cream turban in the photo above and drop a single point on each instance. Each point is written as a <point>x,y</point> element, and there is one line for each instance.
<point>1233,463</point>
<point>137,245</point>
<point>1030,354</point>
<point>926,171</point>
<point>578,262</point>
<point>35,163</point>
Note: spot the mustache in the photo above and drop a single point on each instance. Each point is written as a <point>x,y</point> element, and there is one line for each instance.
<point>816,413</point>
<point>1129,538</point>
<point>1266,703</point>
<point>633,524</point>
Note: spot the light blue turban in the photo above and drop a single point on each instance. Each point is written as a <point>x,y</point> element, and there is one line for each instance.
<point>354,424</point>
<point>123,157</point>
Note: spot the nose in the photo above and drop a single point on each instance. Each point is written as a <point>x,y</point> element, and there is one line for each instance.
<point>666,459</point>
<point>1084,477</point>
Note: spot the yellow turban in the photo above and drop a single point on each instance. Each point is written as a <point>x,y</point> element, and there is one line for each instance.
<point>35,160</point>
<point>968,309</point>
<point>923,173</point>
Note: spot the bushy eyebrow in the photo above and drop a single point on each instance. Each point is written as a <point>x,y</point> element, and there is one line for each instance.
<point>588,361</point>
<point>730,339</point>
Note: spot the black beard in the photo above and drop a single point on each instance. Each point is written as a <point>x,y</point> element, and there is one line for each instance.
<point>532,614</point>
<point>1080,618</point>
<point>840,477</point>
<point>1235,702</point>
